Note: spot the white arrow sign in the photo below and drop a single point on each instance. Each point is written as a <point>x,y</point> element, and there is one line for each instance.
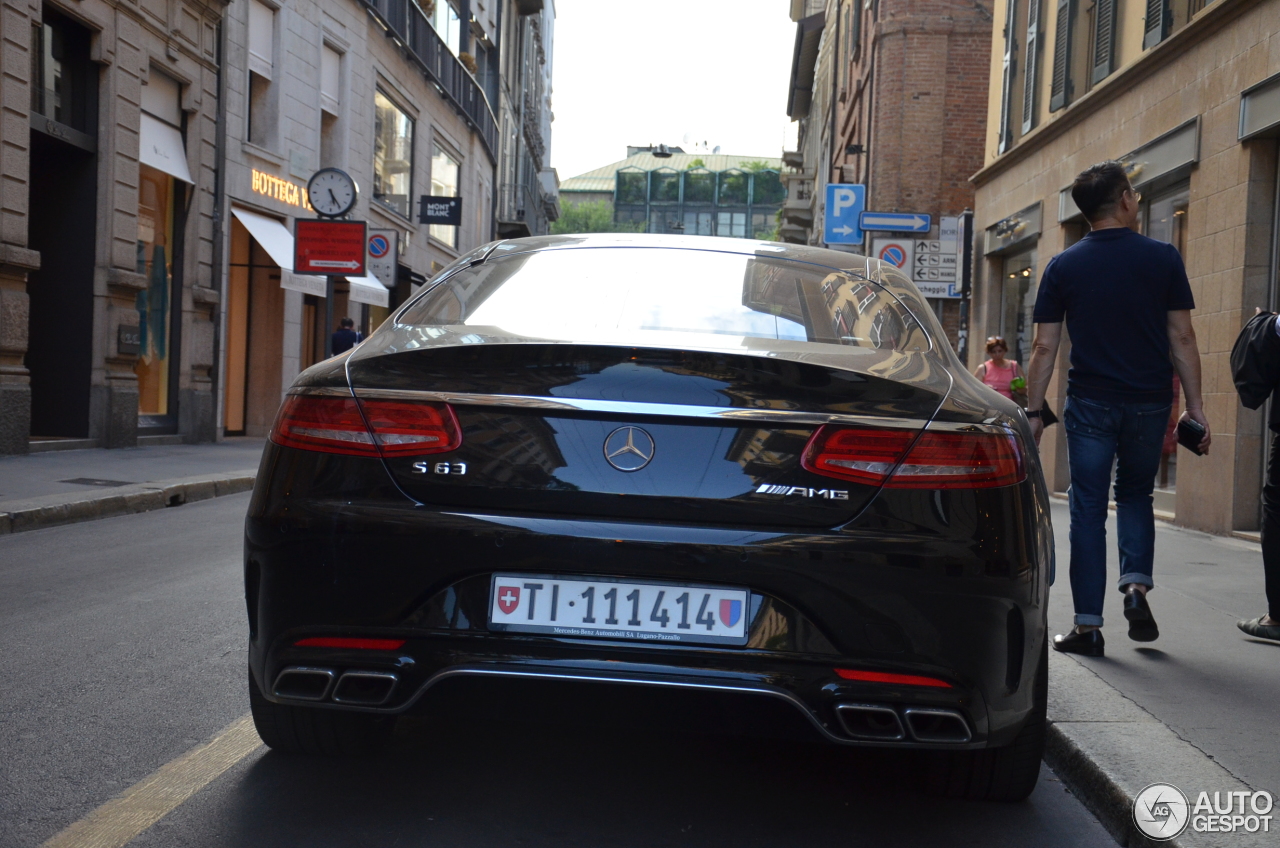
<point>349,265</point>
<point>844,231</point>
<point>898,222</point>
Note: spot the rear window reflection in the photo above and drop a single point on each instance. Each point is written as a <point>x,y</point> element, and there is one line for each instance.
<point>571,292</point>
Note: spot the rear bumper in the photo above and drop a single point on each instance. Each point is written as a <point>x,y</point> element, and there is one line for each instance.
<point>874,600</point>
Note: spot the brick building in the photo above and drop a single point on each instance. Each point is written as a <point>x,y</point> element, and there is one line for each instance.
<point>106,221</point>
<point>891,95</point>
<point>1187,95</point>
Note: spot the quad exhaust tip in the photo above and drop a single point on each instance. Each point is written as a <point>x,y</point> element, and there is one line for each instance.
<point>304,684</point>
<point>881,723</point>
<point>364,688</point>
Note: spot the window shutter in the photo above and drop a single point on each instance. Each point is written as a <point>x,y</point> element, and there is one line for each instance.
<point>1006,90</point>
<point>330,79</point>
<point>1031,67</point>
<point>1060,85</point>
<point>1104,39</point>
<point>262,30</point>
<point>1156,30</point>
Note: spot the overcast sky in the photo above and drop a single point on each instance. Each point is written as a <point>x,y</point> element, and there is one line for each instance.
<point>648,73</point>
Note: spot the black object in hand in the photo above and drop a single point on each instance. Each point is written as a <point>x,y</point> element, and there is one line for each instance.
<point>1190,434</point>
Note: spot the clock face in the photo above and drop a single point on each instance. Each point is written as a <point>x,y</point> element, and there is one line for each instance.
<point>331,192</point>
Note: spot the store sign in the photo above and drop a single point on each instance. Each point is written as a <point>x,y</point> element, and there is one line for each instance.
<point>1023,225</point>
<point>323,246</point>
<point>282,190</point>
<point>383,256</point>
<point>440,210</point>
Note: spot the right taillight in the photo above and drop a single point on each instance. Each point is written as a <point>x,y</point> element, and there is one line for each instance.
<point>338,425</point>
<point>937,460</point>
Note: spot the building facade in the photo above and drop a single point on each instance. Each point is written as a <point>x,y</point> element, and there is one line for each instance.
<point>108,298</point>
<point>891,95</point>
<point>695,194</point>
<point>393,92</point>
<point>1186,94</point>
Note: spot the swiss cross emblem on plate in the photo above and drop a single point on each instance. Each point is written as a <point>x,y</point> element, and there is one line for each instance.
<point>508,599</point>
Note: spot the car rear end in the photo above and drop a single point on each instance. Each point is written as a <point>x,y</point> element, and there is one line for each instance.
<point>781,486</point>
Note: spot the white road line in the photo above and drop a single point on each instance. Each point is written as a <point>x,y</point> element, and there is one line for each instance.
<point>155,796</point>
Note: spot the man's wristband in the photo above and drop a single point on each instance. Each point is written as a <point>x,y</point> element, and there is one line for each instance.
<point>1033,413</point>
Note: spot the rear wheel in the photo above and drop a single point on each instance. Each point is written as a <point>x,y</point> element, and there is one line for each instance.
<point>996,774</point>
<point>311,730</point>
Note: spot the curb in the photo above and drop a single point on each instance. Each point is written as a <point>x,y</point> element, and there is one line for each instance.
<point>1107,749</point>
<point>17,516</point>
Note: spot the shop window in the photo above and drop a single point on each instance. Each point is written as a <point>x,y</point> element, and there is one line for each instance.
<point>332,147</point>
<point>392,154</point>
<point>444,19</point>
<point>444,183</point>
<point>155,263</point>
<point>1017,303</point>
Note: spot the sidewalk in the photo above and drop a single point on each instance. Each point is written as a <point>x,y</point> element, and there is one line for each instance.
<point>1196,708</point>
<point>58,487</point>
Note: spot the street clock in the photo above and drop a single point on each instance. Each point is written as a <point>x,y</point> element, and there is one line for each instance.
<point>332,192</point>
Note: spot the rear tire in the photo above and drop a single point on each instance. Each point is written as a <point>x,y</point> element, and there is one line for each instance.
<point>1008,773</point>
<point>312,730</point>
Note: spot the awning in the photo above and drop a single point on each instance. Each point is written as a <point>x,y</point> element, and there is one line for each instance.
<point>368,290</point>
<point>277,241</point>
<point>161,147</point>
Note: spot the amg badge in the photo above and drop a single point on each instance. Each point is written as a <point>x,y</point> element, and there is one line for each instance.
<point>829,494</point>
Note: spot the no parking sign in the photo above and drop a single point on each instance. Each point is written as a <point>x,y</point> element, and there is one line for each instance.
<point>383,251</point>
<point>897,252</point>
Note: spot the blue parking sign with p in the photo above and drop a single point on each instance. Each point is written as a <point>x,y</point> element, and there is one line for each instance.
<point>842,219</point>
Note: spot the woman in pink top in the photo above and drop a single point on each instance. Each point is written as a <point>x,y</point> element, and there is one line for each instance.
<point>997,372</point>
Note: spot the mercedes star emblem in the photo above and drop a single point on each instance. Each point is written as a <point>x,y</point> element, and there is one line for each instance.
<point>628,448</point>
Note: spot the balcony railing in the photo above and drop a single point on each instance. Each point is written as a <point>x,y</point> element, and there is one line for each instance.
<point>405,22</point>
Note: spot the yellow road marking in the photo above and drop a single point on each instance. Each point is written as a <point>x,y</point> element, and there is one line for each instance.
<point>159,793</point>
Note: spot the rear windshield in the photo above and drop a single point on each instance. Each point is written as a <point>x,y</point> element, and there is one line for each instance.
<point>570,293</point>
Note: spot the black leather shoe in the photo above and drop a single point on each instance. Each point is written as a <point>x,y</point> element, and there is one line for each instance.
<point>1089,643</point>
<point>1255,628</point>
<point>1142,624</point>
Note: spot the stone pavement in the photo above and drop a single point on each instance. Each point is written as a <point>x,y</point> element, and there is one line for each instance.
<point>1197,708</point>
<point>59,487</point>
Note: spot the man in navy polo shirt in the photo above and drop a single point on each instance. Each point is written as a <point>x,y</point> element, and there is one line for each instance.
<point>1127,306</point>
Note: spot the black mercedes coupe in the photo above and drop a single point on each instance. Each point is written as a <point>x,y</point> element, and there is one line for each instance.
<point>712,464</point>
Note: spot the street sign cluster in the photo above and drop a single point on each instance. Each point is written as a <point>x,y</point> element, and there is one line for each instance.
<point>933,264</point>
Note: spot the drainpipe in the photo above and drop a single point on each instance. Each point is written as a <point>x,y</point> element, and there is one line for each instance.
<point>217,268</point>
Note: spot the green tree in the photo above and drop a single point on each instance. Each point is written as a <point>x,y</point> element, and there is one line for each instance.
<point>593,217</point>
<point>696,163</point>
<point>756,165</point>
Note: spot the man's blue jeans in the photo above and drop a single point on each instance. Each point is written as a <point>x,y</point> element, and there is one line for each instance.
<point>1100,433</point>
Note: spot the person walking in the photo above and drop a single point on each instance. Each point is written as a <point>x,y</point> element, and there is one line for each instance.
<point>1255,369</point>
<point>345,337</point>
<point>998,372</point>
<point>1127,306</point>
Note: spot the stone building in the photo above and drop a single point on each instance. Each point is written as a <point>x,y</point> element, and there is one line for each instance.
<point>398,94</point>
<point>1187,95</point>
<point>891,95</point>
<point>109,155</point>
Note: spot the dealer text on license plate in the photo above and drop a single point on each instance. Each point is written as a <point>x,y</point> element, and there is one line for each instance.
<point>657,612</point>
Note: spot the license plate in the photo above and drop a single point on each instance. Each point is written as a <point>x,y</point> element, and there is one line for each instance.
<point>618,609</point>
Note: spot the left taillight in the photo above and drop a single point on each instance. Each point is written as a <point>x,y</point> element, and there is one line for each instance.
<point>336,425</point>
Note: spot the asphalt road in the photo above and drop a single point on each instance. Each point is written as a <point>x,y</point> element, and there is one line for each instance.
<point>124,648</point>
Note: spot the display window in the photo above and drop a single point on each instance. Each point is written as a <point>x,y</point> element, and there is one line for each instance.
<point>155,258</point>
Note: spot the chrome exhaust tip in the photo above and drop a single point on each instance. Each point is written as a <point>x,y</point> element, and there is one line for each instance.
<point>870,722</point>
<point>365,688</point>
<point>299,683</point>
<point>934,724</point>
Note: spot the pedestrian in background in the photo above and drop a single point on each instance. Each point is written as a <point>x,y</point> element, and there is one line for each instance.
<point>998,372</point>
<point>1255,368</point>
<point>346,336</point>
<point>1127,305</point>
